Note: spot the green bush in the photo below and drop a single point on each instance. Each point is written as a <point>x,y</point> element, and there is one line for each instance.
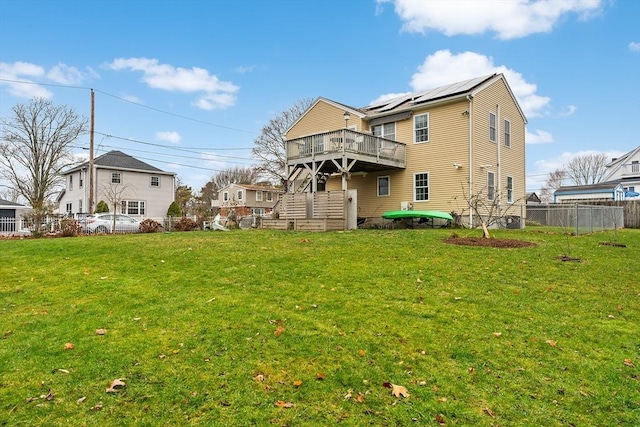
<point>102,207</point>
<point>150,226</point>
<point>174,210</point>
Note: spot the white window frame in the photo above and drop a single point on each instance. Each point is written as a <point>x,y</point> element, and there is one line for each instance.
<point>388,186</point>
<point>80,206</point>
<point>507,133</point>
<point>225,196</point>
<point>116,178</point>
<point>509,189</point>
<point>71,182</point>
<point>269,196</point>
<point>383,130</point>
<point>258,212</point>
<point>415,187</point>
<point>81,183</point>
<point>69,207</point>
<point>133,207</point>
<point>415,129</point>
<point>493,126</point>
<point>258,195</point>
<point>157,184</point>
<point>491,185</point>
<point>240,195</point>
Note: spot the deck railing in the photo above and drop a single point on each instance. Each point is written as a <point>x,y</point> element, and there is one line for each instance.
<point>346,141</point>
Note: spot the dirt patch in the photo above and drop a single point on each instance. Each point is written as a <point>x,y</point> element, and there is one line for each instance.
<point>566,258</point>
<point>614,244</point>
<point>489,243</point>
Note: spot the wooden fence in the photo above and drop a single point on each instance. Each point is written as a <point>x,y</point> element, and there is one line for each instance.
<point>320,211</point>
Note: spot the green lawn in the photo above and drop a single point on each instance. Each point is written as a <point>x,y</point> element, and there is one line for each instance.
<point>285,328</point>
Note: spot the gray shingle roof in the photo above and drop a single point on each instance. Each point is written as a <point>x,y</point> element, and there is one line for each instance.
<point>118,160</point>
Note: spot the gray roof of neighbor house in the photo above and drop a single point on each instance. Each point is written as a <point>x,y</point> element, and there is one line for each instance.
<point>592,188</point>
<point>4,202</point>
<point>118,160</point>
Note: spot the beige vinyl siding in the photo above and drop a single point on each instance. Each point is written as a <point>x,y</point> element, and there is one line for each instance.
<point>322,117</point>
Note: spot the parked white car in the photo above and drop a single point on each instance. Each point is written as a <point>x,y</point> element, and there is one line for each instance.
<point>103,223</point>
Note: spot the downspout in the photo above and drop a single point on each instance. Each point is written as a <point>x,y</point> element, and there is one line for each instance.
<point>470,98</point>
<point>498,183</point>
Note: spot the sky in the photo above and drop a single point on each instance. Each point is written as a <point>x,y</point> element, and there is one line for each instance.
<point>187,85</point>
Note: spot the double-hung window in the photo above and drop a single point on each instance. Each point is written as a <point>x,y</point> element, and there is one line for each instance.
<point>421,187</point>
<point>133,207</point>
<point>70,182</point>
<point>491,185</point>
<point>240,195</point>
<point>385,130</point>
<point>510,189</point>
<point>269,196</point>
<point>383,186</point>
<point>258,195</point>
<point>116,178</point>
<point>492,127</point>
<point>507,133</point>
<point>155,181</point>
<point>81,184</point>
<point>421,128</point>
<point>225,196</point>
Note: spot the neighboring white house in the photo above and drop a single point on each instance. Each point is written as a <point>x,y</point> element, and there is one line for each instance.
<point>10,216</point>
<point>602,191</point>
<point>247,199</point>
<point>135,187</point>
<point>626,169</point>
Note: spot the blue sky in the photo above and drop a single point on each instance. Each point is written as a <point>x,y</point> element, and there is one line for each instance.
<point>188,85</point>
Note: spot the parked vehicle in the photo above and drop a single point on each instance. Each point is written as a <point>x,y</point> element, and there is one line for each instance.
<point>103,223</point>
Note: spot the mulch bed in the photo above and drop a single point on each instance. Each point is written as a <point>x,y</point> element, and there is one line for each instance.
<point>489,243</point>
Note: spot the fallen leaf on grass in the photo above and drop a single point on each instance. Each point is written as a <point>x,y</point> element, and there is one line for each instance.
<point>258,378</point>
<point>319,376</point>
<point>64,371</point>
<point>82,399</point>
<point>101,331</point>
<point>472,370</point>
<point>50,395</point>
<point>361,353</point>
<point>583,393</point>
<point>497,334</point>
<point>360,398</point>
<point>488,412</point>
<point>305,241</point>
<point>283,404</point>
<point>397,390</point>
<point>348,395</point>
<point>115,383</point>
<point>98,407</point>
<point>279,330</point>
<point>628,362</point>
<point>440,420</point>
<point>6,334</point>
<point>297,383</point>
<point>552,343</point>
<point>69,346</point>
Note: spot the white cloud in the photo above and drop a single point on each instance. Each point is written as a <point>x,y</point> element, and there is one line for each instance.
<point>244,69</point>
<point>507,19</point>
<point>213,93</point>
<point>568,111</point>
<point>173,137</point>
<point>634,46</point>
<point>65,74</point>
<point>443,67</point>
<point>539,137</point>
<point>23,72</point>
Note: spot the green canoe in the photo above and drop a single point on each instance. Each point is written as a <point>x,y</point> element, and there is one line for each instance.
<point>416,214</point>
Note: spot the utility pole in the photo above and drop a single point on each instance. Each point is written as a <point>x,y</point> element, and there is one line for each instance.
<point>91,201</point>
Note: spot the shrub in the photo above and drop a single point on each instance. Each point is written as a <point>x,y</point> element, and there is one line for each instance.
<point>150,226</point>
<point>102,207</point>
<point>174,210</point>
<point>186,224</point>
<point>70,227</point>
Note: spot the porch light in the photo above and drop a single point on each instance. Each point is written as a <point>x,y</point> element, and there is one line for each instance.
<point>346,116</point>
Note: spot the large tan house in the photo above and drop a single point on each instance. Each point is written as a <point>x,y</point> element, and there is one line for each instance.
<point>423,151</point>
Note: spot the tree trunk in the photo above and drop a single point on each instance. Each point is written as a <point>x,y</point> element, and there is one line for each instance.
<point>485,231</point>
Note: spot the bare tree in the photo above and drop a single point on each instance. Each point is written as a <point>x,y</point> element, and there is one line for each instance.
<point>587,168</point>
<point>34,147</point>
<point>115,195</point>
<point>554,181</point>
<point>270,147</point>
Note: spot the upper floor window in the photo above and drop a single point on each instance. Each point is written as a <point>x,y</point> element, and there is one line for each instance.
<point>421,127</point>
<point>491,185</point>
<point>225,196</point>
<point>81,184</point>
<point>510,189</point>
<point>70,182</point>
<point>155,181</point>
<point>635,166</point>
<point>421,187</point>
<point>240,195</point>
<point>385,130</point>
<point>492,127</point>
<point>258,195</point>
<point>507,133</point>
<point>383,185</point>
<point>269,196</point>
<point>116,178</point>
